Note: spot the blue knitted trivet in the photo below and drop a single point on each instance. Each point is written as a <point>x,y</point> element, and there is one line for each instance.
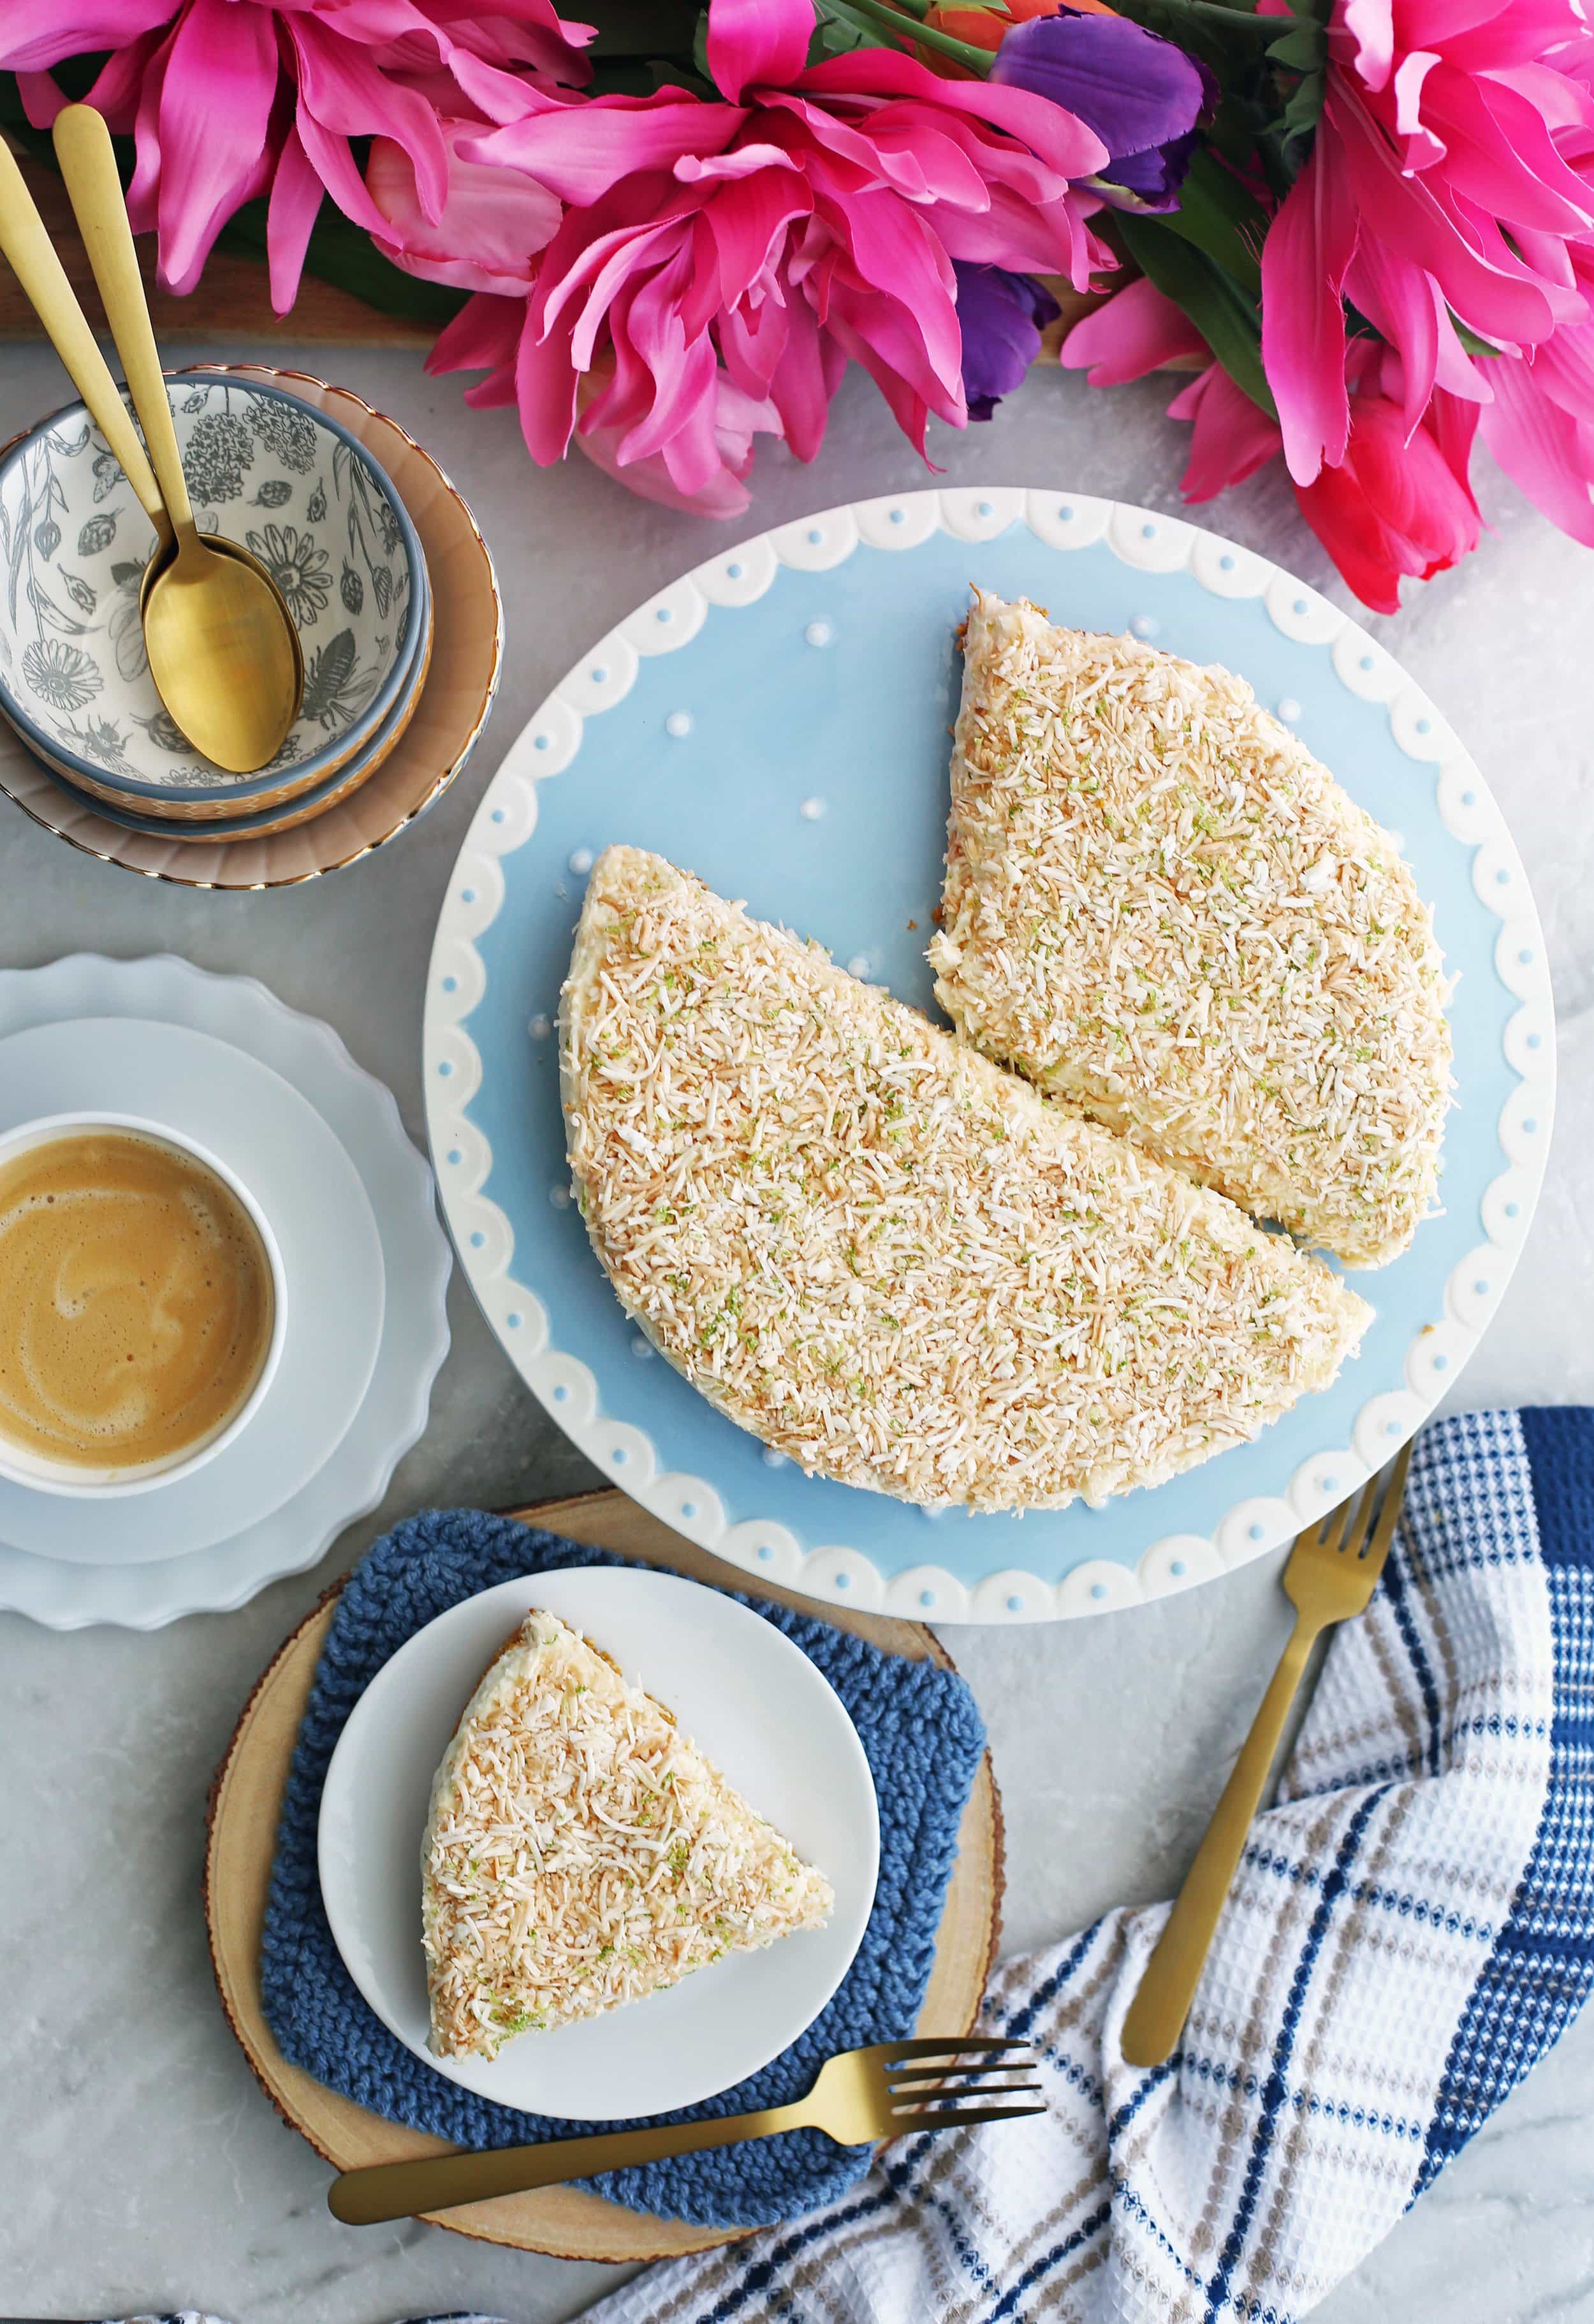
<point>924,1739</point>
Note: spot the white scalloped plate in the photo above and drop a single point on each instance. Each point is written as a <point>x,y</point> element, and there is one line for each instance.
<point>777,721</point>
<point>227,1541</point>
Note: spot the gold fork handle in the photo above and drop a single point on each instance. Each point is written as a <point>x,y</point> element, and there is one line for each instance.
<point>398,2191</point>
<point>89,164</point>
<point>1157,2013</point>
<point>26,241</point>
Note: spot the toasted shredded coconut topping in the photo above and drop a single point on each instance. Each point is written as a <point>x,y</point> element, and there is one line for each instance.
<point>1161,909</point>
<point>580,1852</point>
<point>890,1260</point>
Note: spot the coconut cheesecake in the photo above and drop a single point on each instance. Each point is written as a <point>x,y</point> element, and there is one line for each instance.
<point>896,1264</point>
<point>1161,909</point>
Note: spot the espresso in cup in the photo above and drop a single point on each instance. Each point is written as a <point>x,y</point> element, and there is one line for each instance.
<point>137,1305</point>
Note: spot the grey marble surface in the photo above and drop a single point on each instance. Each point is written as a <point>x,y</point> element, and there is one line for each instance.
<point>143,2167</point>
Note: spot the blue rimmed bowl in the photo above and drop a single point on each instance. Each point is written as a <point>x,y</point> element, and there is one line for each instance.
<point>267,469</point>
<point>285,815</point>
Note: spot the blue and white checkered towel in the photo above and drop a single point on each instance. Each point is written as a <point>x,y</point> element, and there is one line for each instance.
<point>1412,1928</point>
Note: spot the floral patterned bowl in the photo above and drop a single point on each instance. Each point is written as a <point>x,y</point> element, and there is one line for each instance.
<point>454,705</point>
<point>254,820</point>
<point>295,487</point>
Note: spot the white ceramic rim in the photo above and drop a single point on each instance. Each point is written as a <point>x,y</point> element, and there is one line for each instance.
<point>76,1483</point>
<point>838,1573</point>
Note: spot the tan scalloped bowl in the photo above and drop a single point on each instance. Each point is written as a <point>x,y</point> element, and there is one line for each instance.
<point>467,657</point>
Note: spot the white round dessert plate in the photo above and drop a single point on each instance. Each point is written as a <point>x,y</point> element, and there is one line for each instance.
<point>777,721</point>
<point>751,1701</point>
<point>352,1205</point>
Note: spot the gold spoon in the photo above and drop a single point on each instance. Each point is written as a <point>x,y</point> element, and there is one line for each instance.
<point>223,652</point>
<point>25,243</point>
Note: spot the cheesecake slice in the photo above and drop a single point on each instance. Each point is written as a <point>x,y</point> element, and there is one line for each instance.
<point>898,1266</point>
<point>1162,910</point>
<point>581,1852</point>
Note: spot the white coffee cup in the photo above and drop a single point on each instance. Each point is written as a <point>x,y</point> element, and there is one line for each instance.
<point>20,1466</point>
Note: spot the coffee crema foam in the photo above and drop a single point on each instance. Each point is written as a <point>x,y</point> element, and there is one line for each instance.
<point>135,1301</point>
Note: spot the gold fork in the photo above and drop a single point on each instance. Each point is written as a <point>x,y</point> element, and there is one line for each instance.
<point>1330,1577</point>
<point>861,2096</point>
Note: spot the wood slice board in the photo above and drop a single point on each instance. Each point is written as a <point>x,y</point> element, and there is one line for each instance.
<point>246,1804</point>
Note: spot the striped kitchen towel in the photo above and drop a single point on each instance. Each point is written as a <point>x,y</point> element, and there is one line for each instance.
<point>1412,1928</point>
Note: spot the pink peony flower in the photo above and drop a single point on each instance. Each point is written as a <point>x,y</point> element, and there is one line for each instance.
<point>483,236</point>
<point>229,99</point>
<point>1449,181</point>
<point>1397,499</point>
<point>734,418</point>
<point>1135,332</point>
<point>485,335</point>
<point>720,262</point>
<point>1230,438</point>
<point>1539,425</point>
<point>1138,331</point>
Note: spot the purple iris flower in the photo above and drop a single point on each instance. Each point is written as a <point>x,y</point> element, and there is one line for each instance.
<point>1001,317</point>
<point>1140,94</point>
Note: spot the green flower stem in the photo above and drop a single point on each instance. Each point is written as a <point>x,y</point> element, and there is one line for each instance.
<point>1213,13</point>
<point>963,52</point>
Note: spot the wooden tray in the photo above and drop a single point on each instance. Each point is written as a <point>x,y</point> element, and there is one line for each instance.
<point>246,1804</point>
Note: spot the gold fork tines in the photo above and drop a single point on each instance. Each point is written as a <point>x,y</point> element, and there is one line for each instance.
<point>927,2082</point>
<point>1332,1574</point>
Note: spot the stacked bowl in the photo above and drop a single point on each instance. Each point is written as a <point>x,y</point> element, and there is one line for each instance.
<point>286,475</point>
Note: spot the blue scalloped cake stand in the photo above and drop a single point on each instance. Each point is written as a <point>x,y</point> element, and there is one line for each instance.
<point>777,721</point>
